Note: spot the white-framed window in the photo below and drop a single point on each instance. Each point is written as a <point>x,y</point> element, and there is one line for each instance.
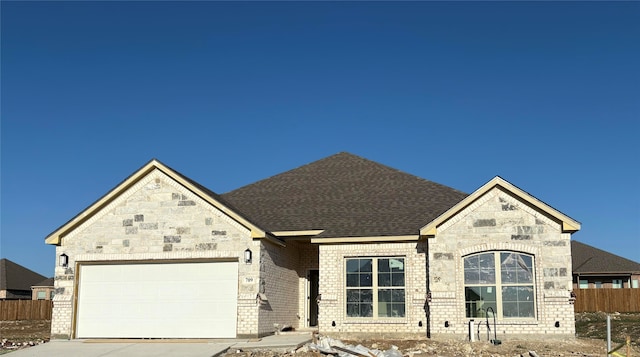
<point>502,281</point>
<point>616,283</point>
<point>375,287</point>
<point>41,295</point>
<point>635,283</point>
<point>584,284</point>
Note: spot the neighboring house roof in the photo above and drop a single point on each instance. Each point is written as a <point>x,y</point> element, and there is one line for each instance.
<point>344,195</point>
<point>16,277</point>
<point>45,283</point>
<point>590,260</point>
<point>568,224</point>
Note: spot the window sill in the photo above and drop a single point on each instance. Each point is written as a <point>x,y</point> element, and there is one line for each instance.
<point>399,321</point>
<point>505,322</point>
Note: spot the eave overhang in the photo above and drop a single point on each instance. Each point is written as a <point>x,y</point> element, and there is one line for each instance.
<point>56,236</point>
<point>568,224</point>
<point>376,239</point>
<point>609,273</point>
<point>305,233</point>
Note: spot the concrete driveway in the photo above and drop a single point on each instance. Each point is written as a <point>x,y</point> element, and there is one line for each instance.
<point>79,348</point>
<point>166,348</point>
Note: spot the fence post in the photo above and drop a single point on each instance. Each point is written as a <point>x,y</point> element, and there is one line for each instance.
<point>608,334</point>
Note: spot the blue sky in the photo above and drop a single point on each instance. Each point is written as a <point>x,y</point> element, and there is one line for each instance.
<point>545,94</point>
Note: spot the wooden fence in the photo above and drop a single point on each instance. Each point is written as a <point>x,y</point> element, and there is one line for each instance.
<point>11,310</point>
<point>607,300</point>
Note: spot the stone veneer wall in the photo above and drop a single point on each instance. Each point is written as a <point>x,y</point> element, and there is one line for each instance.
<point>499,221</point>
<point>332,288</point>
<point>279,284</point>
<point>157,219</point>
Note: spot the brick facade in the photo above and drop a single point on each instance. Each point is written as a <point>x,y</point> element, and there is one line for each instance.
<point>279,284</point>
<point>41,293</point>
<point>332,288</point>
<point>307,260</point>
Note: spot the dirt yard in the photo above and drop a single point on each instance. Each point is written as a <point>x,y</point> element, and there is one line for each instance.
<point>23,334</point>
<point>590,329</point>
<point>25,331</point>
<point>428,348</point>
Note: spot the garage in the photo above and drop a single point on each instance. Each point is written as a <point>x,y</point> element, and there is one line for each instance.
<point>157,300</point>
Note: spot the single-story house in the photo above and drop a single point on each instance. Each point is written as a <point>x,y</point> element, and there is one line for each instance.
<point>595,268</point>
<point>42,290</point>
<point>344,245</point>
<point>16,280</point>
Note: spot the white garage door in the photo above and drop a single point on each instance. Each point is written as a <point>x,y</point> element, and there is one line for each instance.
<point>168,300</point>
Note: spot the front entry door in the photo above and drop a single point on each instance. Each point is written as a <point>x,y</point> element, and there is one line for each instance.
<point>312,298</point>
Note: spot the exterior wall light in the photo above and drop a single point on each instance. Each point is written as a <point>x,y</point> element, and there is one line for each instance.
<point>247,256</point>
<point>63,260</point>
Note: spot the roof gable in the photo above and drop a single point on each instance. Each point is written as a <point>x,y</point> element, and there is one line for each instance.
<point>567,223</point>
<point>588,259</point>
<point>207,195</point>
<point>14,276</point>
<point>344,195</point>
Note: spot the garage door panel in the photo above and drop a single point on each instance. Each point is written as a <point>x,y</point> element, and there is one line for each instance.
<point>177,300</point>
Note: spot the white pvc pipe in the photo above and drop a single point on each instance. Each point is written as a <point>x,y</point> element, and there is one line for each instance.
<point>472,336</point>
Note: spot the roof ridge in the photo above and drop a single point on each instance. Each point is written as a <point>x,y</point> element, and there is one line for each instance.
<point>290,170</point>
<point>346,195</point>
<point>345,154</point>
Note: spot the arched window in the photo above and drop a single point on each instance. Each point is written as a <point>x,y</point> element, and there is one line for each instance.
<point>502,280</point>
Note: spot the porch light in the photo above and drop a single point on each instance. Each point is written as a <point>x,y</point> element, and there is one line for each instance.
<point>247,256</point>
<point>63,260</point>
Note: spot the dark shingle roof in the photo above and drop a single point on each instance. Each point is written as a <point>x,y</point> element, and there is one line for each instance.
<point>347,196</point>
<point>588,259</point>
<point>46,282</point>
<point>16,277</point>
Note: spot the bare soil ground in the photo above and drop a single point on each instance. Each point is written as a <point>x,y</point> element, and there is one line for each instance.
<point>455,348</point>
<point>590,341</point>
<point>594,325</point>
<point>23,333</point>
<point>25,330</point>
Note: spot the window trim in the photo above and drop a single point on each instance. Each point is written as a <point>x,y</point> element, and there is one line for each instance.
<point>375,289</point>
<point>498,285</point>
